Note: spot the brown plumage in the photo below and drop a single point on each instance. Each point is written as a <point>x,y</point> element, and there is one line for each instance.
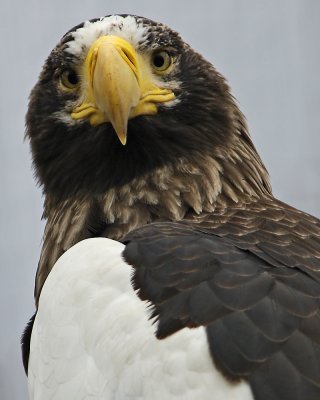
<point>250,274</point>
<point>191,198</point>
<point>166,194</point>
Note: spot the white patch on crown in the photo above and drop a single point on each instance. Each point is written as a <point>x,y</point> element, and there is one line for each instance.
<point>127,28</point>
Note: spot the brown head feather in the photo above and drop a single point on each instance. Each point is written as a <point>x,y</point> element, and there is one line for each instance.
<point>192,157</point>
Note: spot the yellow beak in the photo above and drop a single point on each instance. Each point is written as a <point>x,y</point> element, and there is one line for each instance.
<point>117,86</point>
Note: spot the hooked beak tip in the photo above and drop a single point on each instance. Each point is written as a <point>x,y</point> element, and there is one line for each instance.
<point>121,134</point>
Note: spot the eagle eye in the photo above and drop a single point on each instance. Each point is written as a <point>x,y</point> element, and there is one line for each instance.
<point>69,79</point>
<point>161,61</point>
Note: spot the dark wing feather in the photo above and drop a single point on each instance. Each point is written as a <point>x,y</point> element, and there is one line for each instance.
<point>257,295</point>
<point>270,229</point>
<point>25,343</point>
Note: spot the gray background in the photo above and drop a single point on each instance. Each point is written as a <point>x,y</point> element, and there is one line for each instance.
<point>268,50</point>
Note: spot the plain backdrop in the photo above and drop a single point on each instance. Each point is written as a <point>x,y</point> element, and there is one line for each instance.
<point>268,50</point>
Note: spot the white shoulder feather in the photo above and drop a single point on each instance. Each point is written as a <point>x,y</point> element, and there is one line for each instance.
<point>92,338</point>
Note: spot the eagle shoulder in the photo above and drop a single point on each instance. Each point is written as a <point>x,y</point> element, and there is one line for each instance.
<point>261,315</point>
<point>93,336</point>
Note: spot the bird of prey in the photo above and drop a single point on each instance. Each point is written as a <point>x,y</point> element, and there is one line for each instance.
<point>193,281</point>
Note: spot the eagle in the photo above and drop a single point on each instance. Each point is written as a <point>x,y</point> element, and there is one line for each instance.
<point>168,269</point>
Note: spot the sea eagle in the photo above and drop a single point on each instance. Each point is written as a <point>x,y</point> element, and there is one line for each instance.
<point>168,269</point>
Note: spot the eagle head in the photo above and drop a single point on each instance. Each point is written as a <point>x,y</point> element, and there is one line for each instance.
<point>129,125</point>
<point>121,96</point>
